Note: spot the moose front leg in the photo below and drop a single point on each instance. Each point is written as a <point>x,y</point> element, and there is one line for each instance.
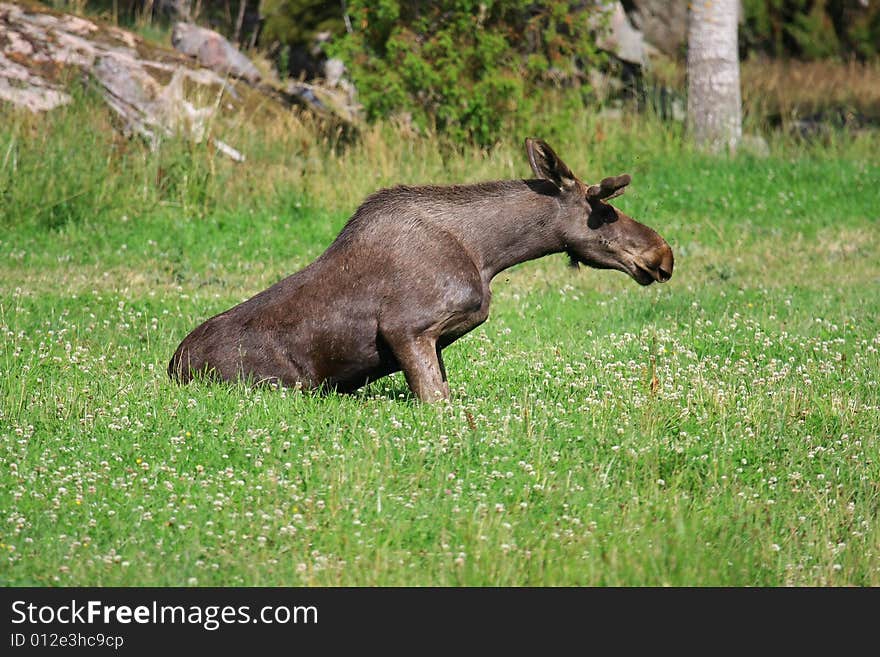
<point>419,358</point>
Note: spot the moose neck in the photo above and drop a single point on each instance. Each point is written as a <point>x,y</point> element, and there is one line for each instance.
<point>508,223</point>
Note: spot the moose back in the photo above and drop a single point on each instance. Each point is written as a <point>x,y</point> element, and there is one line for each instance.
<point>409,274</point>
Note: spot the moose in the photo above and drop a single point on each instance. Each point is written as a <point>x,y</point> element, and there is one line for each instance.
<point>410,273</point>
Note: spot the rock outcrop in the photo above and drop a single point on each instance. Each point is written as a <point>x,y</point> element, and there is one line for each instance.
<point>155,92</point>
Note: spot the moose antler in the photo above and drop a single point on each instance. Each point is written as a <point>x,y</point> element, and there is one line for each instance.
<point>609,187</point>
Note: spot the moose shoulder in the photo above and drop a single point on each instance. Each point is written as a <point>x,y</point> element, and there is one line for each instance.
<point>409,274</point>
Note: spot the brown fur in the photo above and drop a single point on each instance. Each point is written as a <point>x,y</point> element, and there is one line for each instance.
<point>410,273</point>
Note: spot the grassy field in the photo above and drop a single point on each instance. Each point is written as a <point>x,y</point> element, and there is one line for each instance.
<point>721,429</point>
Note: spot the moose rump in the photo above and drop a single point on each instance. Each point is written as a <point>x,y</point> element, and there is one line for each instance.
<point>290,334</point>
<point>335,324</point>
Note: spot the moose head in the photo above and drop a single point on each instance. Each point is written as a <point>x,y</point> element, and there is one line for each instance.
<point>595,233</point>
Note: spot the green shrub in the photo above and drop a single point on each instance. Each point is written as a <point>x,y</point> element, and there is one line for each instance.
<point>811,29</point>
<point>463,67</point>
<point>296,22</point>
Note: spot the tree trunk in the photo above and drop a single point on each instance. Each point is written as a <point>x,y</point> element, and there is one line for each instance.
<point>238,23</point>
<point>714,100</point>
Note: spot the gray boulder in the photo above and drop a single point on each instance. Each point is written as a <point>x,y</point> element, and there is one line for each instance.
<point>620,38</point>
<point>213,51</point>
<point>663,24</point>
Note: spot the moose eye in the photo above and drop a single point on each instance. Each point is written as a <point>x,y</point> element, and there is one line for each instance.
<point>601,214</point>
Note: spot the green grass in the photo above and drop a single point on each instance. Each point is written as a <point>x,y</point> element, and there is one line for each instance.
<point>721,429</point>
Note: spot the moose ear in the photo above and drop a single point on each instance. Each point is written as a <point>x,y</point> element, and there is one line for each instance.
<point>546,164</point>
<point>608,188</point>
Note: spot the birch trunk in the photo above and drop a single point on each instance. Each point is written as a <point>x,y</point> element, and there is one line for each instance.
<point>714,100</point>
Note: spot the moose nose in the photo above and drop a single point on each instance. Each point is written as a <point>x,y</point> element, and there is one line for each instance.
<point>663,271</point>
